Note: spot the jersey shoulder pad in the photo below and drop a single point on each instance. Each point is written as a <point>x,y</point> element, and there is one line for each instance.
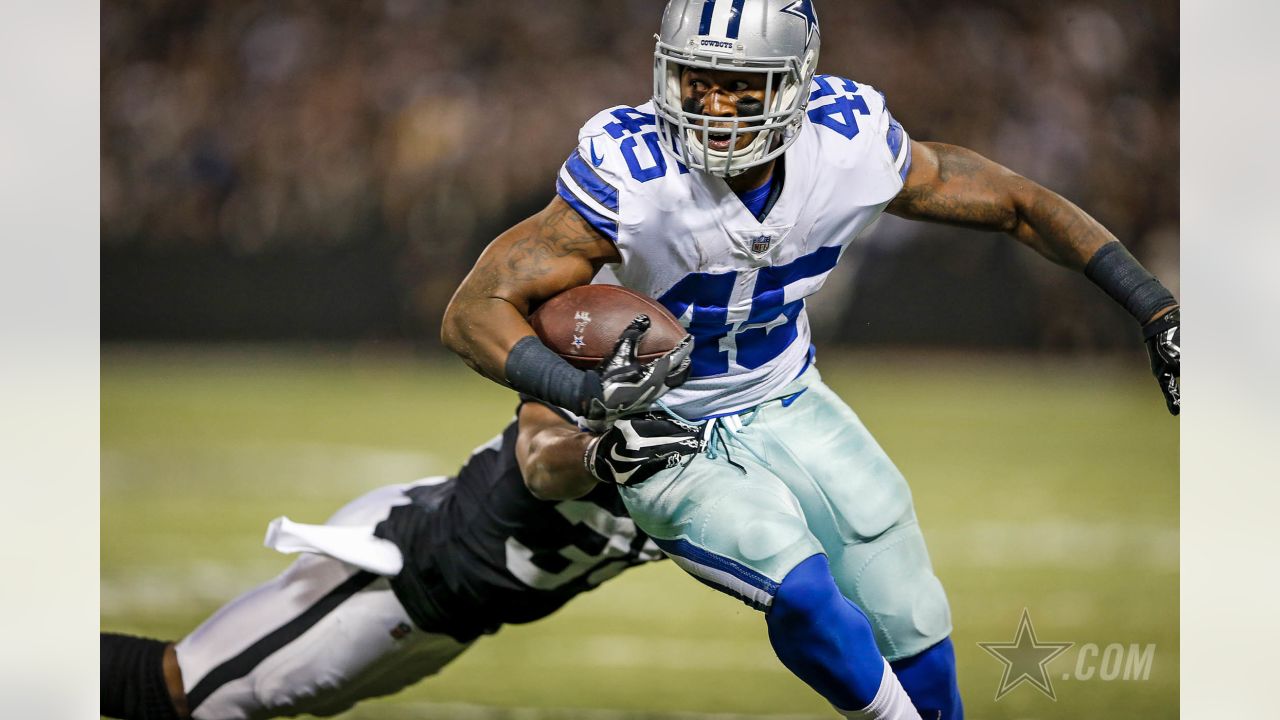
<point>589,180</point>
<point>614,122</point>
<point>602,138</point>
<point>854,120</point>
<point>618,153</point>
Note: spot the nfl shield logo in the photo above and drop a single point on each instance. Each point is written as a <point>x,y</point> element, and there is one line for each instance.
<point>761,244</point>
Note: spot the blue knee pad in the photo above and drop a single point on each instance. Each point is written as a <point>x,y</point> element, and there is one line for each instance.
<point>930,680</point>
<point>823,638</point>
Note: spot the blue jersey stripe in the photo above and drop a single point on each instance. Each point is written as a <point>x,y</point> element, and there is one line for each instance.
<point>735,17</point>
<point>706,558</point>
<point>708,9</point>
<point>602,224</point>
<point>906,164</point>
<point>587,179</point>
<point>896,136</point>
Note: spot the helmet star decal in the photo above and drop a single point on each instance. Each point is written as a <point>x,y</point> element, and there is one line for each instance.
<point>804,9</point>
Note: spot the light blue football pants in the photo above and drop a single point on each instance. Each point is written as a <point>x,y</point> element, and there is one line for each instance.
<point>796,476</point>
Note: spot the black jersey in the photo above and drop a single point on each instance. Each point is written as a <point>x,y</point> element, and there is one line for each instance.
<point>481,551</point>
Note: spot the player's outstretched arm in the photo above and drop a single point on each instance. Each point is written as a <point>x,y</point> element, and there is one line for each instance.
<point>954,185</point>
<point>560,462</point>
<point>550,451</point>
<point>541,256</point>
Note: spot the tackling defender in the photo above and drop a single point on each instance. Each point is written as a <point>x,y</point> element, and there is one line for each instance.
<point>729,197</point>
<point>402,580</point>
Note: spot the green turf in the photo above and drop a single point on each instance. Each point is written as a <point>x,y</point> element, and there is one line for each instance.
<point>1040,485</point>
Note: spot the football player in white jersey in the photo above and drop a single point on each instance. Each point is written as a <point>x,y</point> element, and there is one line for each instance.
<point>729,197</point>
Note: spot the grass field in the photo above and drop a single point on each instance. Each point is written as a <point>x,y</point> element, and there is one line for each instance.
<point>1039,485</point>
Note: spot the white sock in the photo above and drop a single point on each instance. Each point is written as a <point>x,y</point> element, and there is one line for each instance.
<point>891,702</point>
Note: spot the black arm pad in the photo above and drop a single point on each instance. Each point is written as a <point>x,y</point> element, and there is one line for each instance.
<point>534,370</point>
<point>1121,276</point>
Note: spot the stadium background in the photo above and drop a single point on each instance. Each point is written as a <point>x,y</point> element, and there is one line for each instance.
<point>291,191</point>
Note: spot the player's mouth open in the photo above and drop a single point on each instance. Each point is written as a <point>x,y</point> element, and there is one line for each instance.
<point>718,141</point>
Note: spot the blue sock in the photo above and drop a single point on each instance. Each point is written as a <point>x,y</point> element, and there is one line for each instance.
<point>823,638</point>
<point>930,680</point>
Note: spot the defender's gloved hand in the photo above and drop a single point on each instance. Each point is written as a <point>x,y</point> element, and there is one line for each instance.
<point>1163,338</point>
<point>627,386</point>
<point>638,447</point>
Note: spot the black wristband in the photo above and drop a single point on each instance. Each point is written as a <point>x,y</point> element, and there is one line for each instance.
<point>1114,269</point>
<point>532,368</point>
<point>1167,321</point>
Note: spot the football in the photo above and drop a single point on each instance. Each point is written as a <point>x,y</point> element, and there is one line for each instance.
<point>582,324</point>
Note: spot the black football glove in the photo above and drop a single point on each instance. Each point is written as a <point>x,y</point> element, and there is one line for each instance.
<point>628,386</point>
<point>640,446</point>
<point>1163,339</point>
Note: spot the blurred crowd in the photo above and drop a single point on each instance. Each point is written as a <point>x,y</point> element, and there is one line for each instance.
<point>288,127</point>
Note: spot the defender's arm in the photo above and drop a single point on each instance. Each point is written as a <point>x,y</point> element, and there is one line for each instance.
<point>550,452</point>
<point>559,462</point>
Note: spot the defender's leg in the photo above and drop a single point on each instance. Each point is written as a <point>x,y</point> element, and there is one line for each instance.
<point>139,679</point>
<point>316,639</point>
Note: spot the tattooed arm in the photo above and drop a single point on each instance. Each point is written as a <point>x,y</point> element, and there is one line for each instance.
<point>543,255</point>
<point>953,185</point>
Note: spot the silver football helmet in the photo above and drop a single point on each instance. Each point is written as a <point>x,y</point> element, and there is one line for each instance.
<point>777,38</point>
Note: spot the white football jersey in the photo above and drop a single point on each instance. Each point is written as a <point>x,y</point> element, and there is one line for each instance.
<point>737,283</point>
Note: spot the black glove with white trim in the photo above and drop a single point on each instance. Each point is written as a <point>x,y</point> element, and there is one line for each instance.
<point>627,385</point>
<point>1163,337</point>
<point>638,447</point>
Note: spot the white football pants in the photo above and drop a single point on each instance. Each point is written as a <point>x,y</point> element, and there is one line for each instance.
<point>318,638</point>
